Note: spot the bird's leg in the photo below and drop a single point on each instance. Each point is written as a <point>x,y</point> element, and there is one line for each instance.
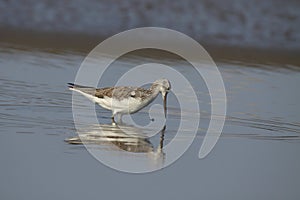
<point>113,122</point>
<point>119,118</point>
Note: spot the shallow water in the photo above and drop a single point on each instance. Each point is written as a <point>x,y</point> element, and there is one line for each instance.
<point>256,156</point>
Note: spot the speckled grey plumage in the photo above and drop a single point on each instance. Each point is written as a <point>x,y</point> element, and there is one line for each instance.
<point>124,99</point>
<point>118,93</point>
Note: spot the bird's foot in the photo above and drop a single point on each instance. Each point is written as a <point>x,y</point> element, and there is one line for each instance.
<point>113,122</point>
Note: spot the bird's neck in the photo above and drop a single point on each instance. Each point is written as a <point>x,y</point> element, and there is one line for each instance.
<point>154,92</point>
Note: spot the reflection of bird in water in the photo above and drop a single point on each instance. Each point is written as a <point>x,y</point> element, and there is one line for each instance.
<point>127,138</point>
<point>124,100</point>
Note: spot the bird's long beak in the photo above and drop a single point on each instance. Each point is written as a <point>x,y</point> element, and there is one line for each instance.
<point>165,104</point>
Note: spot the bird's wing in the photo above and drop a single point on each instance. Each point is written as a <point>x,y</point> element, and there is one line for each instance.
<point>104,92</point>
<point>122,92</point>
<point>119,92</point>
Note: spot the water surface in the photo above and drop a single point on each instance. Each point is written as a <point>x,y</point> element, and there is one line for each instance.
<point>256,157</point>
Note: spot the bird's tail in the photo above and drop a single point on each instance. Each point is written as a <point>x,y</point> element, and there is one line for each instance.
<point>84,90</point>
<point>74,86</point>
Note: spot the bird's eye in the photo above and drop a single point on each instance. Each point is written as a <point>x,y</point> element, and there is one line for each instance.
<point>132,94</point>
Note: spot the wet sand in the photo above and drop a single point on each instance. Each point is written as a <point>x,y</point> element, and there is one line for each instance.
<point>84,43</point>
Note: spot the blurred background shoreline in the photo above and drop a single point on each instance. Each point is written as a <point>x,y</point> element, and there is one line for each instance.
<point>83,44</point>
<point>252,31</point>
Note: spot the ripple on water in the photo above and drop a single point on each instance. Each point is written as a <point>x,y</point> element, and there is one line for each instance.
<point>34,96</point>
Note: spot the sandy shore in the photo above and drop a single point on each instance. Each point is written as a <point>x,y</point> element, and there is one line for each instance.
<point>84,43</point>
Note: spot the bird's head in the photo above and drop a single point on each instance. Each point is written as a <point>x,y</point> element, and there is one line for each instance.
<point>163,85</point>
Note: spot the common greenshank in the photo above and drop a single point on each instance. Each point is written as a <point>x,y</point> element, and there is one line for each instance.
<point>125,99</point>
